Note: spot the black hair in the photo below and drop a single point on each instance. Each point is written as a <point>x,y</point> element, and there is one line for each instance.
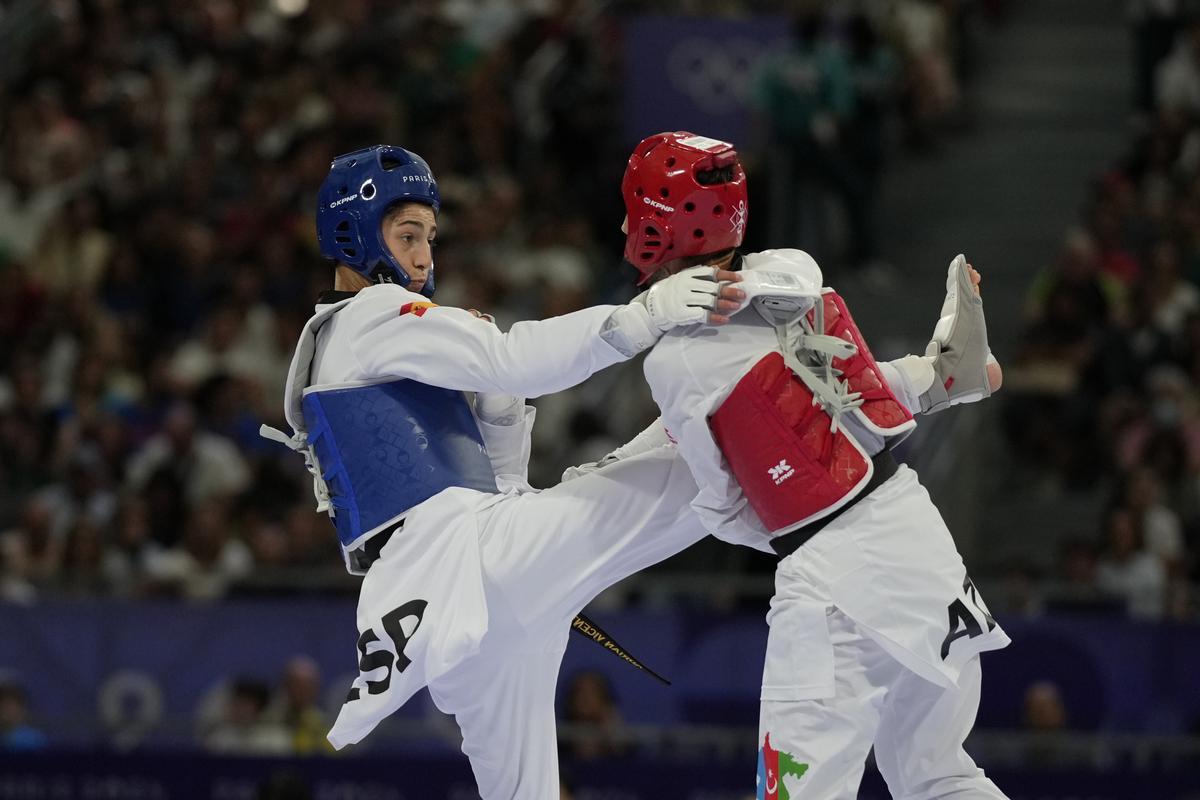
<point>253,690</point>
<point>711,177</point>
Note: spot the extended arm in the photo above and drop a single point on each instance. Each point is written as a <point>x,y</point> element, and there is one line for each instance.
<point>958,365</point>
<point>398,334</point>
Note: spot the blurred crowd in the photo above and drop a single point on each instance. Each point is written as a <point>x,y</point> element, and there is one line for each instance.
<point>158,256</point>
<point>1104,394</point>
<point>247,716</point>
<point>831,107</point>
<point>243,716</point>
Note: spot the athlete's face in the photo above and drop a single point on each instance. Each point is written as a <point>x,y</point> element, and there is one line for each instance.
<point>409,231</point>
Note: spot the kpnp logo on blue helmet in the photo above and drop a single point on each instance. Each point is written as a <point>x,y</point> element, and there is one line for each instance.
<point>359,190</point>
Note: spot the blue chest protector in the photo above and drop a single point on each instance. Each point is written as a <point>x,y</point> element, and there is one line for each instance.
<point>386,447</point>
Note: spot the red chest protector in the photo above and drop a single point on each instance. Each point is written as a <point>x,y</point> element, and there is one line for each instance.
<point>793,464</point>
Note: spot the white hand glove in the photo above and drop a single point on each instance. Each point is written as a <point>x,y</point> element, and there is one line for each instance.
<point>958,351</point>
<point>685,298</point>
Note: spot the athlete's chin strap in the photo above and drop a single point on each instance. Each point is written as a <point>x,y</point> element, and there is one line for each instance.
<point>810,356</point>
<point>299,443</point>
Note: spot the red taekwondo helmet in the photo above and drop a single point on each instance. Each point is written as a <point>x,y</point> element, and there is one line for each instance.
<point>685,196</point>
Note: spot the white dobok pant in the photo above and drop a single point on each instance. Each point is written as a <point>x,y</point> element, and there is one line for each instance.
<point>517,571</point>
<point>875,636</point>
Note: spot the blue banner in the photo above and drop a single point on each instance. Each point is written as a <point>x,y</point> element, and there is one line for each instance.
<point>695,73</point>
<point>89,666</point>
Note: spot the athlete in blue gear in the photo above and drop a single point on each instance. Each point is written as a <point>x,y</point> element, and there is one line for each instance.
<point>366,189</point>
<point>411,417</point>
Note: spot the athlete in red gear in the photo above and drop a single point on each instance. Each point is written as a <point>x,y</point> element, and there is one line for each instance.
<point>787,423</point>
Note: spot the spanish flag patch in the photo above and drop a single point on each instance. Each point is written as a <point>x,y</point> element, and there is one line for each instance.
<point>416,308</point>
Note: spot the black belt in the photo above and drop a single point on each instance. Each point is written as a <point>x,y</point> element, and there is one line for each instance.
<point>790,542</point>
<point>367,553</point>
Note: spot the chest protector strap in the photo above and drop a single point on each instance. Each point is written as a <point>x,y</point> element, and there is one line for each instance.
<point>781,428</point>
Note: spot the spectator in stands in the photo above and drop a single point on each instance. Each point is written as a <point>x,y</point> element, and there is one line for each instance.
<point>1022,593</point>
<point>1127,570</point>
<point>16,569</point>
<point>82,555</point>
<point>209,467</point>
<point>1162,531</point>
<point>295,707</point>
<point>83,495</point>
<point>75,248</point>
<point>1071,307</point>
<point>1077,588</point>
<point>1172,298</point>
<point>243,728</point>
<point>211,559</point>
<point>40,553</point>
<point>874,73</point>
<point>1177,79</point>
<point>1043,715</point>
<point>924,31</point>
<point>16,734</point>
<point>1115,219</point>
<point>1077,271</point>
<point>806,97</point>
<point>27,427</point>
<point>129,554</point>
<point>1044,711</point>
<point>594,720</point>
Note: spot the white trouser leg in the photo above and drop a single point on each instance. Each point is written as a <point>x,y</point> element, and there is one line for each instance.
<point>817,745</point>
<point>503,701</point>
<point>919,747</point>
<point>543,557</point>
<point>819,739</point>
<point>552,551</point>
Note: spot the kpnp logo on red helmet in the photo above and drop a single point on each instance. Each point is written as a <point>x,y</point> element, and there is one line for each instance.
<point>685,196</point>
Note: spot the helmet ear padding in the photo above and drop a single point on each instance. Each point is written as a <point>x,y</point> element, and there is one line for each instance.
<point>653,237</point>
<point>347,239</point>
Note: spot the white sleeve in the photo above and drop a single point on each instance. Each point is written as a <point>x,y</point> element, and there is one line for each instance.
<point>508,448</point>
<point>451,348</point>
<point>909,378</point>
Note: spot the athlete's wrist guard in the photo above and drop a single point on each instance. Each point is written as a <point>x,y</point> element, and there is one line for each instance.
<point>499,409</point>
<point>629,329</point>
<point>959,350</point>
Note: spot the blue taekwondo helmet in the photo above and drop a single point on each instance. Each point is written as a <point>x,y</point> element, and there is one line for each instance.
<point>351,203</point>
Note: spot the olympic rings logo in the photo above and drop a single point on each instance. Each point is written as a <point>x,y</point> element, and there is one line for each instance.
<point>717,76</point>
